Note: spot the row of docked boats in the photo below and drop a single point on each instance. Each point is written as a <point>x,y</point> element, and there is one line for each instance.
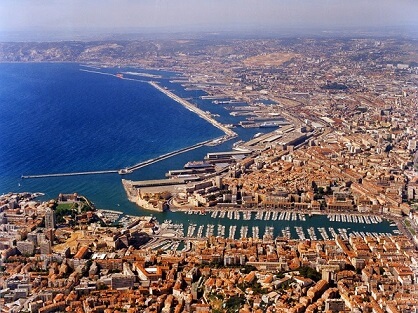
<point>290,216</point>
<point>245,231</point>
<point>354,218</point>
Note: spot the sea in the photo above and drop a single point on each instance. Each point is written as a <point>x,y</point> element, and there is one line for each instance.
<point>67,117</point>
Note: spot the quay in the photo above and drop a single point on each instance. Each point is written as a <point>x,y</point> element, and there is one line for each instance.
<point>214,97</point>
<point>180,238</point>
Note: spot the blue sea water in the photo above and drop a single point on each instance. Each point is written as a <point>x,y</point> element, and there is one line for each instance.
<point>55,118</point>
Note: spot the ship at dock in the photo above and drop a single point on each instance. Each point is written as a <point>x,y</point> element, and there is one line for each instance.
<point>198,165</point>
<point>269,124</point>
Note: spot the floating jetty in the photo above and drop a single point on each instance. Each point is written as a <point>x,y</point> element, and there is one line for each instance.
<point>271,231</point>
<point>240,224</point>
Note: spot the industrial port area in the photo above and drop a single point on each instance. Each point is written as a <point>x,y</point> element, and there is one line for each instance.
<point>308,202</point>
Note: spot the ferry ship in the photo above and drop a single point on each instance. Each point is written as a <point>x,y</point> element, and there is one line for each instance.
<point>236,144</point>
<point>269,124</point>
<point>197,164</point>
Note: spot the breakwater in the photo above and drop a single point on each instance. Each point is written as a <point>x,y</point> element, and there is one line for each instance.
<point>135,167</point>
<point>126,170</point>
<point>229,134</point>
<point>193,108</point>
<point>69,174</point>
<point>129,169</point>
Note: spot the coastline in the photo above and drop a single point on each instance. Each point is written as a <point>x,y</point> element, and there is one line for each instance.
<point>138,210</point>
<point>106,190</point>
<point>134,209</point>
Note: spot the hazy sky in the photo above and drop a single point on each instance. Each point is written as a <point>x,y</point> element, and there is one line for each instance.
<point>75,15</point>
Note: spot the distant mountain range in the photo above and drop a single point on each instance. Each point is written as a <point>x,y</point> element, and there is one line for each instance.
<point>72,51</point>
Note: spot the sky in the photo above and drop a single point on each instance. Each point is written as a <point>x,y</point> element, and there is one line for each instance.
<point>203,15</point>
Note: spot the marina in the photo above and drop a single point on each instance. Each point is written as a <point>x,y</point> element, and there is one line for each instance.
<point>263,225</point>
<point>271,225</point>
<point>180,228</point>
<point>271,232</point>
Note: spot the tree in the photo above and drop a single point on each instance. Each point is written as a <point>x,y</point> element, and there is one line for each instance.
<point>248,268</point>
<point>308,272</point>
<point>234,303</point>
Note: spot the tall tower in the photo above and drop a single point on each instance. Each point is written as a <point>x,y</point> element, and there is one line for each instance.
<point>49,218</point>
